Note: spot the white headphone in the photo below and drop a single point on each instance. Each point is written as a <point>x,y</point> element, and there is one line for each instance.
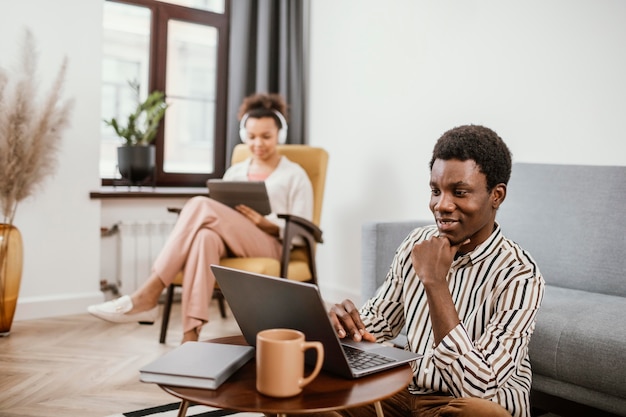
<point>282,132</point>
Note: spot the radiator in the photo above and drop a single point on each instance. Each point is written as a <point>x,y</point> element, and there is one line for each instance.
<point>137,244</point>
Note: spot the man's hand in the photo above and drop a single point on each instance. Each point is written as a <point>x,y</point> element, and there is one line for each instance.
<point>346,320</point>
<point>432,258</point>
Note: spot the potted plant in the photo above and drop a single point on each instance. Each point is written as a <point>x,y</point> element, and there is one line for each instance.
<point>31,133</point>
<point>136,156</point>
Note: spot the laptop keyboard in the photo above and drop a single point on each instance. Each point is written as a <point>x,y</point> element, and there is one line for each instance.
<point>361,359</point>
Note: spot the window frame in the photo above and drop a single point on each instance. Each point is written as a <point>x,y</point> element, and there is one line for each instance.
<point>161,13</point>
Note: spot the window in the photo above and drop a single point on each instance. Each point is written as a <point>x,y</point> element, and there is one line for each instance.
<point>179,47</point>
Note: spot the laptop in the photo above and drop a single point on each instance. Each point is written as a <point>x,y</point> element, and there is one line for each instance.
<point>251,193</point>
<point>261,302</point>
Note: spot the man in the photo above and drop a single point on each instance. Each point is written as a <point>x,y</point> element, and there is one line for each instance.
<point>467,295</point>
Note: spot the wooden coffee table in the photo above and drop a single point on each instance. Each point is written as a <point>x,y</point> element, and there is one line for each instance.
<point>326,393</point>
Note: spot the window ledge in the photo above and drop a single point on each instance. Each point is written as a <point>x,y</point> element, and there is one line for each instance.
<point>109,192</point>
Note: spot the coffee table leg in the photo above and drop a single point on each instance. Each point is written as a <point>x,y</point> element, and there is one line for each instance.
<point>182,410</point>
<point>379,409</point>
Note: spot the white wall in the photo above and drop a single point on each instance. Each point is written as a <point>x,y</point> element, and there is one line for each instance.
<point>60,224</point>
<point>388,78</point>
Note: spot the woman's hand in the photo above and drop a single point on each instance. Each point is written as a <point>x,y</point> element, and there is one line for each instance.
<point>258,219</point>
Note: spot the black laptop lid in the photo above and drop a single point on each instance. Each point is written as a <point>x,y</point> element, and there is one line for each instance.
<point>281,303</point>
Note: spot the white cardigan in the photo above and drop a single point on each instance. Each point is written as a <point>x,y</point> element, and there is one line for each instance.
<point>288,188</point>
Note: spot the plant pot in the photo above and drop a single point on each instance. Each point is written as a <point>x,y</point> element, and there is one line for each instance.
<point>11,260</point>
<point>136,163</point>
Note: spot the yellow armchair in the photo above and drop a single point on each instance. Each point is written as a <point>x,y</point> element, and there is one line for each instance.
<point>297,263</point>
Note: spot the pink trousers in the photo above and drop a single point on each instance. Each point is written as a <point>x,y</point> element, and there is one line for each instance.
<point>205,232</point>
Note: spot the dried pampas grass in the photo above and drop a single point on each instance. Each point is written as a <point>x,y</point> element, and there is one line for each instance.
<point>30,131</point>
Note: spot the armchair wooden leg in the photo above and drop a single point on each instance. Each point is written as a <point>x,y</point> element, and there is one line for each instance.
<point>167,309</point>
<point>220,301</point>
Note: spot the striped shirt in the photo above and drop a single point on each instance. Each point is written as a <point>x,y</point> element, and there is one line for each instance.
<point>497,289</point>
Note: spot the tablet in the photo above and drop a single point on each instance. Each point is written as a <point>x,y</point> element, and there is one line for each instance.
<point>251,193</point>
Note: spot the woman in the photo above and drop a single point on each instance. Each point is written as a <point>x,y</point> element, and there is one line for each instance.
<point>207,230</point>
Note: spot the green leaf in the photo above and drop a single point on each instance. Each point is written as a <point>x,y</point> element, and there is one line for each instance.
<point>143,124</point>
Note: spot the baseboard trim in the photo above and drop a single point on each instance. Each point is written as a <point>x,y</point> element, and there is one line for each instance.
<point>30,308</point>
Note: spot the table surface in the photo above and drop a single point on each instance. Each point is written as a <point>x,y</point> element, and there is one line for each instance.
<point>327,392</point>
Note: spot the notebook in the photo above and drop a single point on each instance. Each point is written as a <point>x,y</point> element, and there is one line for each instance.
<point>197,365</point>
<point>261,302</point>
<point>251,193</point>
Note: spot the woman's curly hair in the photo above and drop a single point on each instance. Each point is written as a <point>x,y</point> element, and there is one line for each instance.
<point>263,105</point>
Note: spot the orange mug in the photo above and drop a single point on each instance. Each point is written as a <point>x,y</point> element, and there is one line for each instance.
<point>280,362</point>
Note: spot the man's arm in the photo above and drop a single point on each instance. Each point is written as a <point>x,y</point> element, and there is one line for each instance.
<point>479,368</point>
<point>382,316</point>
<point>431,260</point>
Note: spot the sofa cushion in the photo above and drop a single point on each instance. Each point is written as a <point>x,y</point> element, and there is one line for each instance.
<point>570,218</point>
<point>580,338</point>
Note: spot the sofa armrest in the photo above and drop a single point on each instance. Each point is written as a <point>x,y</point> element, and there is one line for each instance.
<point>379,241</point>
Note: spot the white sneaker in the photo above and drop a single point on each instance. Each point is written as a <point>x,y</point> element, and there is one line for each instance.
<point>115,312</point>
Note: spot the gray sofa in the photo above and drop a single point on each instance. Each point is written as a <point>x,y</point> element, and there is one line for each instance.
<point>572,219</point>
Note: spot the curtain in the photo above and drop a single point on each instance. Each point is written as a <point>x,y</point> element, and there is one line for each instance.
<point>267,54</point>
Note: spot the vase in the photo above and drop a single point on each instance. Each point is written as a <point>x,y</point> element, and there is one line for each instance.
<point>136,163</point>
<point>11,259</point>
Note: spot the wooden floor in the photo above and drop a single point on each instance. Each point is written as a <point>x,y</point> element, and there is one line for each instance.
<point>80,366</point>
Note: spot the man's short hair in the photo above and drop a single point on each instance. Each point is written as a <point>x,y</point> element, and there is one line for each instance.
<point>480,144</point>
